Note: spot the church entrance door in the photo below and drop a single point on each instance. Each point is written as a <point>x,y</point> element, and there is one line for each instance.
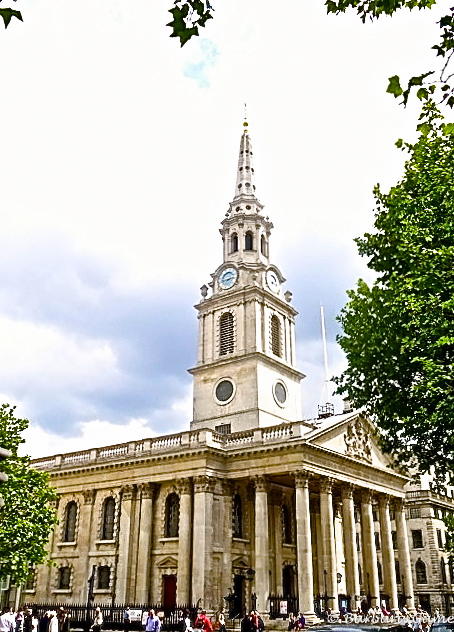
<point>169,593</point>
<point>238,593</point>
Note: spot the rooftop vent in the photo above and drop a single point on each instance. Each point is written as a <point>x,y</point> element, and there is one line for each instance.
<point>325,411</point>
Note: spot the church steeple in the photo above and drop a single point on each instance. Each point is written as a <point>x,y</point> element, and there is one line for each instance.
<point>245,187</point>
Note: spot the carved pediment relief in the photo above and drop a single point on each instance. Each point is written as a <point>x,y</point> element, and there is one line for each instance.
<point>239,563</point>
<point>357,440</point>
<point>168,562</point>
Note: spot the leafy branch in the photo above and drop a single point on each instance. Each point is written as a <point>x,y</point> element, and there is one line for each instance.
<point>7,14</point>
<point>187,17</point>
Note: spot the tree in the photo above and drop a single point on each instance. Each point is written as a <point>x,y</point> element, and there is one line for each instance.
<point>26,519</point>
<point>398,334</point>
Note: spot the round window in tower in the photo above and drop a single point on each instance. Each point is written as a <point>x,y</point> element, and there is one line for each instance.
<point>280,393</point>
<point>224,391</point>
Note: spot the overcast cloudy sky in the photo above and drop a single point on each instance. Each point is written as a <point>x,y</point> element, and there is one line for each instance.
<point>118,160</point>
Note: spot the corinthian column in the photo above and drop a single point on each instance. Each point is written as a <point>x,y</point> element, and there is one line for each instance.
<point>389,567</point>
<point>262,577</point>
<point>304,545</point>
<point>328,543</point>
<point>276,508</point>
<point>404,553</point>
<point>184,541</point>
<point>124,544</point>
<point>350,550</point>
<point>143,575</point>
<point>369,549</point>
<point>202,540</point>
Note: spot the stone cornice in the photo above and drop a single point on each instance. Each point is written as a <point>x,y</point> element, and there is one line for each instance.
<point>256,355</point>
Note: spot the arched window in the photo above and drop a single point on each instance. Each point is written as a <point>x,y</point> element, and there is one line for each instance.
<point>69,533</point>
<point>443,571</point>
<point>103,577</point>
<point>172,515</point>
<point>276,347</point>
<point>397,567</point>
<point>234,243</point>
<point>263,245</point>
<point>237,517</point>
<point>360,574</point>
<point>286,525</point>
<point>108,519</point>
<point>421,574</point>
<point>380,573</point>
<point>249,241</point>
<point>226,334</point>
<point>64,577</point>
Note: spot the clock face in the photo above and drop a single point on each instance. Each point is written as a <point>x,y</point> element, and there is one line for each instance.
<point>272,280</point>
<point>228,278</point>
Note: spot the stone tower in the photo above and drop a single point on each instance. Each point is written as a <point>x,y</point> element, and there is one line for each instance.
<point>246,374</point>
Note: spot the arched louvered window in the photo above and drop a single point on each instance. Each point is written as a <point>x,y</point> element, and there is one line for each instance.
<point>234,243</point>
<point>276,346</point>
<point>108,519</point>
<point>380,573</point>
<point>286,525</point>
<point>69,534</point>
<point>226,334</point>
<point>263,245</point>
<point>421,574</point>
<point>237,517</point>
<point>103,577</point>
<point>64,577</point>
<point>249,241</point>
<point>172,516</point>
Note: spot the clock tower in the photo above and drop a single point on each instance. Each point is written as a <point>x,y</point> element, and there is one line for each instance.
<point>246,374</point>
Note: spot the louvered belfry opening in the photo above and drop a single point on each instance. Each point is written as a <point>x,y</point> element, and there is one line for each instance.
<point>227,334</point>
<point>276,336</point>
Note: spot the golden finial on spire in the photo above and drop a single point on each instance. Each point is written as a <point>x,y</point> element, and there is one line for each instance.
<point>245,124</point>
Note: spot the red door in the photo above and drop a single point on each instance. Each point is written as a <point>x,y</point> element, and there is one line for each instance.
<point>170,593</point>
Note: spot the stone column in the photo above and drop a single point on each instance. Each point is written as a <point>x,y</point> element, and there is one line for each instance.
<point>389,568</point>
<point>369,550</point>
<point>143,573</point>
<point>228,490</point>
<point>124,539</point>
<point>262,578</point>
<point>184,542</point>
<point>276,502</point>
<point>202,543</point>
<point>328,543</point>
<point>304,545</point>
<point>350,550</point>
<point>404,553</point>
<point>84,536</point>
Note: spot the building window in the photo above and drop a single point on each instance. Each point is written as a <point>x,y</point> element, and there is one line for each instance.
<point>397,567</point>
<point>439,539</point>
<point>64,578</point>
<point>415,512</point>
<point>421,574</point>
<point>394,539</point>
<point>416,535</point>
<point>69,533</point>
<point>276,346</point>
<point>237,517</point>
<point>103,577</point>
<point>249,241</point>
<point>234,243</point>
<point>443,571</point>
<point>226,333</point>
<point>374,514</point>
<point>360,574</point>
<point>377,540</point>
<point>172,515</point>
<point>108,519</point>
<point>358,542</point>
<point>286,525</point>
<point>263,245</point>
<point>380,573</point>
<point>223,429</point>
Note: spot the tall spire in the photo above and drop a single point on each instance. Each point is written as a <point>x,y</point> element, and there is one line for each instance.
<point>245,188</point>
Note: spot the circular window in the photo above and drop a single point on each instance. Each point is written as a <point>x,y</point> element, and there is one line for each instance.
<point>280,393</point>
<point>224,391</point>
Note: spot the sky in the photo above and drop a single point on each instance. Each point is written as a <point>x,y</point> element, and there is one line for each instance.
<point>118,161</point>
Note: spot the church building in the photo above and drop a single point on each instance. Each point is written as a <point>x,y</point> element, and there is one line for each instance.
<point>251,502</point>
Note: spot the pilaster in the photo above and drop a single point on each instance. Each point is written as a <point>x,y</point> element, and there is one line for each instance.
<point>202,540</point>
<point>261,543</point>
<point>328,542</point>
<point>127,494</point>
<point>304,545</point>
<point>184,542</point>
<point>146,491</point>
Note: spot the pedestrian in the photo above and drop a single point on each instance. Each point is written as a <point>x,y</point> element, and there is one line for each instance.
<point>153,622</point>
<point>97,621</point>
<point>203,622</point>
<point>187,625</point>
<point>245,623</point>
<point>127,617</point>
<point>301,624</point>
<point>6,621</point>
<point>292,621</point>
<point>221,620</point>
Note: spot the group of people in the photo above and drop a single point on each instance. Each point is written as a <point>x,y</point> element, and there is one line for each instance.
<point>27,620</point>
<point>252,622</point>
<point>296,622</point>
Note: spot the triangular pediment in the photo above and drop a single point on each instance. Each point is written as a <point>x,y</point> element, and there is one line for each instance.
<point>168,562</point>
<point>239,562</point>
<point>352,435</point>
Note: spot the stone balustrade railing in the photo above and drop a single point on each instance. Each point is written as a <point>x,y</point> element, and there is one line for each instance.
<point>175,442</point>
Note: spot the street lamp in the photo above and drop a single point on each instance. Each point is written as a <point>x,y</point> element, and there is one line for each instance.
<point>250,573</point>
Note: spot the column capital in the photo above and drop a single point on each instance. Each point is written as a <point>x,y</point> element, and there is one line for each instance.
<point>89,496</point>
<point>326,484</point>
<point>147,490</point>
<point>127,492</point>
<point>204,484</point>
<point>367,496</point>
<point>384,500</point>
<point>399,504</point>
<point>261,483</point>
<point>347,490</point>
<point>302,478</point>
<point>184,486</point>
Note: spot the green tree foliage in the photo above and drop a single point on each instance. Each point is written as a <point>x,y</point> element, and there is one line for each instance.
<point>398,334</point>
<point>26,519</point>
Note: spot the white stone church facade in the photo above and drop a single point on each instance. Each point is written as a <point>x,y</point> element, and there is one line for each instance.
<point>251,499</point>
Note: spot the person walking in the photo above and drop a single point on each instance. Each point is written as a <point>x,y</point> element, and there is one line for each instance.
<point>221,621</point>
<point>97,621</point>
<point>203,622</point>
<point>153,622</point>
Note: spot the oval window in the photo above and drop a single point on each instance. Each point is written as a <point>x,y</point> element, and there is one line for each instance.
<point>280,393</point>
<point>224,391</point>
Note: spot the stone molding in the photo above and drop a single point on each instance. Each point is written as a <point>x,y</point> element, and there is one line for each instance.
<point>184,486</point>
<point>261,483</point>
<point>127,492</point>
<point>147,490</point>
<point>302,478</point>
<point>326,484</point>
<point>89,496</point>
<point>357,441</point>
<point>347,491</point>
<point>205,484</point>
